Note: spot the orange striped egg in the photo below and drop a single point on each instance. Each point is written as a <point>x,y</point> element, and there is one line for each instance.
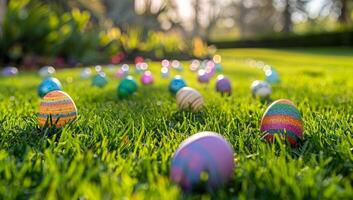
<point>58,106</point>
<point>282,117</point>
<point>189,98</point>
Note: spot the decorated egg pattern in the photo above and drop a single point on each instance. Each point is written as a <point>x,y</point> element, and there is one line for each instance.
<point>48,85</point>
<point>46,71</point>
<point>9,71</point>
<point>272,76</point>
<point>204,153</point>
<point>282,117</point>
<point>189,98</point>
<point>223,85</point>
<point>127,87</point>
<point>176,84</point>
<point>100,80</point>
<point>56,109</point>
<point>147,78</point>
<point>261,89</point>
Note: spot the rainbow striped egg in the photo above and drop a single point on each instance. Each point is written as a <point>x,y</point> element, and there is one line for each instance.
<point>283,117</point>
<point>58,106</point>
<point>203,161</point>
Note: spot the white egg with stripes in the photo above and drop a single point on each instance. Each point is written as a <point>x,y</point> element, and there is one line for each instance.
<point>189,98</point>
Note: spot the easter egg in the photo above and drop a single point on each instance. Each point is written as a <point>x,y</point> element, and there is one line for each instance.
<point>272,76</point>
<point>189,98</point>
<point>86,73</point>
<point>223,85</point>
<point>147,78</point>
<point>194,66</point>
<point>261,89</point>
<point>127,87</point>
<point>165,72</point>
<point>120,73</point>
<point>282,117</point>
<point>48,85</point>
<point>46,71</point>
<point>203,160</point>
<point>56,109</point>
<point>9,71</point>
<point>218,68</point>
<point>100,80</point>
<point>203,76</point>
<point>176,84</point>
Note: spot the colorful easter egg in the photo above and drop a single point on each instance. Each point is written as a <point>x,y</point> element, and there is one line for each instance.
<point>189,98</point>
<point>127,87</point>
<point>165,72</point>
<point>147,78</point>
<point>48,85</point>
<point>261,89</point>
<point>194,66</point>
<point>203,160</point>
<point>56,109</point>
<point>100,80</point>
<point>203,76</point>
<point>46,71</point>
<point>223,85</point>
<point>282,117</point>
<point>176,84</point>
<point>218,68</point>
<point>120,73</point>
<point>272,76</point>
<point>9,71</point>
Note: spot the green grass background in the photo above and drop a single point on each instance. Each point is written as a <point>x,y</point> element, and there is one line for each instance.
<point>123,148</point>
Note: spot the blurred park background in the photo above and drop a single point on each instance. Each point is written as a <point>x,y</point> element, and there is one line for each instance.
<point>81,32</point>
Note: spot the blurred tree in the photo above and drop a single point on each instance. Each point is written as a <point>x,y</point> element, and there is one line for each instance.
<point>254,17</point>
<point>341,8</point>
<point>291,7</point>
<point>3,5</point>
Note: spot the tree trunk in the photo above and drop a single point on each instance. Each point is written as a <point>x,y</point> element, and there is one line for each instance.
<point>196,28</point>
<point>3,6</point>
<point>287,18</point>
<point>344,15</point>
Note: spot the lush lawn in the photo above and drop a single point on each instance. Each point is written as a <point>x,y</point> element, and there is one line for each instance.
<point>123,147</point>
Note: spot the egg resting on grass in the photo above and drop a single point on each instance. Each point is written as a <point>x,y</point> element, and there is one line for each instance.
<point>56,109</point>
<point>203,160</point>
<point>283,118</point>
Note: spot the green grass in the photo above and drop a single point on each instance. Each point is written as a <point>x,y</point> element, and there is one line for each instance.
<point>123,148</point>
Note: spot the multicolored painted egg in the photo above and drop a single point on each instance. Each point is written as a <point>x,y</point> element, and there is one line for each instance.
<point>100,80</point>
<point>127,87</point>
<point>9,71</point>
<point>47,71</point>
<point>48,85</point>
<point>189,98</point>
<point>56,109</point>
<point>223,85</point>
<point>176,84</point>
<point>147,78</point>
<point>203,160</point>
<point>261,89</point>
<point>282,117</point>
<point>272,76</point>
<point>203,76</point>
